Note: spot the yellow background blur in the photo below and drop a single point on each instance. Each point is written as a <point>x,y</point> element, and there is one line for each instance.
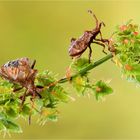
<point>42,30</point>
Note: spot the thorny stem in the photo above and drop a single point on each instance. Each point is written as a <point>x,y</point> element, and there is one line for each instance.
<point>88,68</point>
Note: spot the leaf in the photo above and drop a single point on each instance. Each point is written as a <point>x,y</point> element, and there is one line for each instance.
<point>60,93</point>
<point>45,78</point>
<point>11,126</point>
<point>38,103</point>
<point>48,114</point>
<point>79,84</point>
<point>2,127</point>
<point>101,89</point>
<point>5,83</point>
<point>80,64</point>
<point>52,117</point>
<point>25,110</point>
<point>3,102</point>
<point>8,125</point>
<point>11,112</point>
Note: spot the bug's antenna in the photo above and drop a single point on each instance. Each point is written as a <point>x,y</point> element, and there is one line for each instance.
<point>91,12</point>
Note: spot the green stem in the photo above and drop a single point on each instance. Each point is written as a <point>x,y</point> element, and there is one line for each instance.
<point>88,68</point>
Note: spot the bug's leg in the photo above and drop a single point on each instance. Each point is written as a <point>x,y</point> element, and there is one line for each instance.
<point>101,44</point>
<point>102,40</point>
<point>102,23</point>
<point>90,53</point>
<point>23,99</point>
<point>17,89</point>
<point>101,35</point>
<point>38,93</point>
<point>32,107</point>
<point>33,64</point>
<point>29,119</point>
<point>97,23</point>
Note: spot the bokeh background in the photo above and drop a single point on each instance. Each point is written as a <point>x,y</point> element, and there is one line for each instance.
<point>42,30</point>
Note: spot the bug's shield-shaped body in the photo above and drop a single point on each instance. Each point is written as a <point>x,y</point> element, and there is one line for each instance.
<point>19,71</point>
<point>78,46</point>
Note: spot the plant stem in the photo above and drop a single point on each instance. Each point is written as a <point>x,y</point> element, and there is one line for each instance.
<point>88,68</point>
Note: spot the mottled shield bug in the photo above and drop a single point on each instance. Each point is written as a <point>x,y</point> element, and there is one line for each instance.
<point>78,46</point>
<point>21,72</point>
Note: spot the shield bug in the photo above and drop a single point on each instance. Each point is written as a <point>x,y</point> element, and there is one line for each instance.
<point>78,46</point>
<point>21,72</point>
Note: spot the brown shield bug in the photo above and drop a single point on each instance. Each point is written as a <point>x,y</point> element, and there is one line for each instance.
<point>21,72</point>
<point>78,46</point>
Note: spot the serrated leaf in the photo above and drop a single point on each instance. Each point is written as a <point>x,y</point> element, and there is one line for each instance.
<point>101,89</point>
<point>25,110</point>
<point>48,114</point>
<point>3,102</point>
<point>80,64</point>
<point>8,125</point>
<point>45,78</point>
<point>79,84</point>
<point>52,117</point>
<point>60,93</point>
<point>11,126</point>
<point>11,112</point>
<point>2,127</point>
<point>38,103</point>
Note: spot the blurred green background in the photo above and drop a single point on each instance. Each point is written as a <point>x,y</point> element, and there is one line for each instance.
<point>42,30</point>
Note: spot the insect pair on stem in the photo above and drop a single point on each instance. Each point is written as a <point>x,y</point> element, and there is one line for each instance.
<point>79,46</point>
<point>22,72</point>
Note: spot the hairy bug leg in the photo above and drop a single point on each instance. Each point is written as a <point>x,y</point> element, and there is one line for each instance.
<point>90,53</point>
<point>101,44</point>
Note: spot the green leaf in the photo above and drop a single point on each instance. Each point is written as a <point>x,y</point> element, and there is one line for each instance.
<point>48,114</point>
<point>11,112</point>
<point>38,103</point>
<point>59,93</point>
<point>11,126</point>
<point>80,64</point>
<point>45,78</point>
<point>5,83</point>
<point>25,110</point>
<point>52,117</point>
<point>101,89</point>
<point>3,102</point>
<point>2,127</point>
<point>79,84</point>
<point>8,125</point>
